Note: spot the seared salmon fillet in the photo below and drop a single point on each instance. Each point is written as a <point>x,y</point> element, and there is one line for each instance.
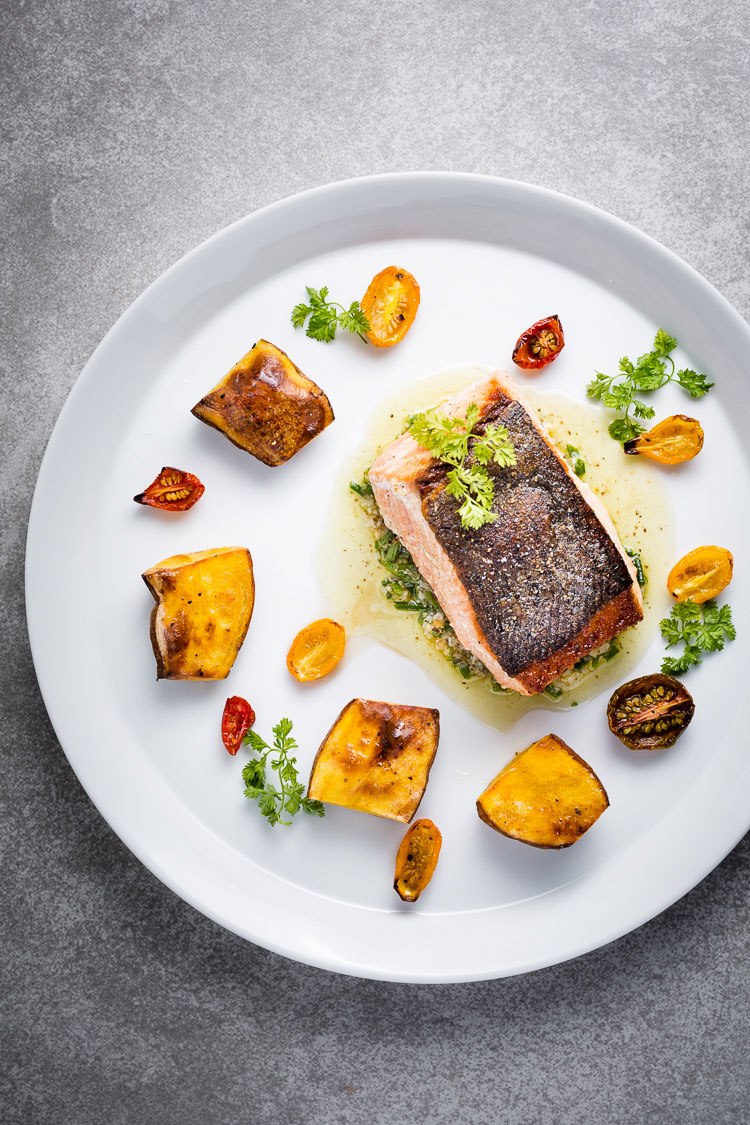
<point>537,589</point>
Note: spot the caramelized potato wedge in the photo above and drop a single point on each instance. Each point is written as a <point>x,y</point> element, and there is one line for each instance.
<point>417,859</point>
<point>204,602</point>
<point>376,758</point>
<point>266,406</point>
<point>546,796</point>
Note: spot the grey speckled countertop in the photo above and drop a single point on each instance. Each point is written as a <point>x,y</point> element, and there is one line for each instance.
<point>131,132</point>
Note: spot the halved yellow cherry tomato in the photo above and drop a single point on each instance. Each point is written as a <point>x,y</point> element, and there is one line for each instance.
<point>390,304</point>
<point>417,859</point>
<point>670,442</point>
<point>316,650</point>
<point>701,575</point>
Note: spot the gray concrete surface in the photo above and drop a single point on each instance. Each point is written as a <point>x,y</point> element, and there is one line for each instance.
<point>130,132</point>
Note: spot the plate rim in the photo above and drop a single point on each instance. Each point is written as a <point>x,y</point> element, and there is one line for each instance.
<point>88,372</point>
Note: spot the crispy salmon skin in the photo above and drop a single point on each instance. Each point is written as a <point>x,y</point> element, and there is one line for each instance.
<point>541,586</point>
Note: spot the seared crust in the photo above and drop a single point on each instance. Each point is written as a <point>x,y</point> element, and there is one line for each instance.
<point>606,623</point>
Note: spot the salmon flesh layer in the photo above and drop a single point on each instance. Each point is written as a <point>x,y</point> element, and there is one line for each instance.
<point>543,585</point>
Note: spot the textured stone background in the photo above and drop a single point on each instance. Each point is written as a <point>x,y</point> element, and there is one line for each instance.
<point>130,132</point>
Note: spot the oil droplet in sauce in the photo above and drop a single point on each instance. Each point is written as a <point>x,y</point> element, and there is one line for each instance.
<point>629,488</point>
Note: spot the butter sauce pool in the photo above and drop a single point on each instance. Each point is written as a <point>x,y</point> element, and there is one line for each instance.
<point>630,489</point>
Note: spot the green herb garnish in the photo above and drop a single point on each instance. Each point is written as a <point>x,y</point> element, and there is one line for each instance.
<point>578,463</point>
<point>552,691</point>
<point>326,316</point>
<point>701,628</point>
<point>288,797</point>
<point>363,488</point>
<point>406,589</point>
<point>638,564</point>
<point>648,373</point>
<point>455,442</point>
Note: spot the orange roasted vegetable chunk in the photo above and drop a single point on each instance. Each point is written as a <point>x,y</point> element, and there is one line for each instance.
<point>204,602</point>
<point>670,442</point>
<point>701,574</point>
<point>376,758</point>
<point>546,796</point>
<point>390,304</point>
<point>316,650</point>
<point>417,859</point>
<point>266,406</point>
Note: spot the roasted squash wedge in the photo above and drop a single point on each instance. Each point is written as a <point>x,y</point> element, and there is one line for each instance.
<point>204,602</point>
<point>266,406</point>
<point>376,758</point>
<point>546,796</point>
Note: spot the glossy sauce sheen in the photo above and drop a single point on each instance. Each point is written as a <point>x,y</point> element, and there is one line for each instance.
<point>630,488</point>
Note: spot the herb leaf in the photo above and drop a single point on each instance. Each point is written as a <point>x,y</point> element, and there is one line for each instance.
<point>701,628</point>
<point>455,442</point>
<point>648,373</point>
<point>288,798</point>
<point>638,564</point>
<point>326,316</point>
<point>578,463</point>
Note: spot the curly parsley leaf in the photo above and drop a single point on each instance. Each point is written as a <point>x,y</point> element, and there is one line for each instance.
<point>468,452</point>
<point>693,382</point>
<point>288,798</point>
<point>701,628</point>
<point>325,316</point>
<point>649,372</point>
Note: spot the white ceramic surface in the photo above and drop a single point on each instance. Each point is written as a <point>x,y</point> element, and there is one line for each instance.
<point>491,256</point>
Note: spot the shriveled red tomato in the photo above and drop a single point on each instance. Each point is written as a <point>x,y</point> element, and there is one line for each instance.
<point>390,304</point>
<point>173,491</point>
<point>540,344</point>
<point>236,721</point>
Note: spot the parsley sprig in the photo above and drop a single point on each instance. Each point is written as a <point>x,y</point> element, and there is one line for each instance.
<point>648,373</point>
<point>701,628</point>
<point>326,316</point>
<point>455,442</point>
<point>288,798</point>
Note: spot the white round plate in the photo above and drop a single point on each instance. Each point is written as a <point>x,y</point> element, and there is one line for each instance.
<point>491,257</point>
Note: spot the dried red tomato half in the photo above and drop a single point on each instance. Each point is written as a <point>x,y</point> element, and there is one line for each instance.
<point>540,344</point>
<point>173,490</point>
<point>236,721</point>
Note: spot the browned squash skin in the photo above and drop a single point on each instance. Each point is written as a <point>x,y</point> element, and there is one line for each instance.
<point>204,602</point>
<point>266,406</point>
<point>376,758</point>
<point>547,796</point>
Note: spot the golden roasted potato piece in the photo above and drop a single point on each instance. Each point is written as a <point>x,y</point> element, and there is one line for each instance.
<point>546,796</point>
<point>376,758</point>
<point>266,406</point>
<point>204,602</point>
<point>416,859</point>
